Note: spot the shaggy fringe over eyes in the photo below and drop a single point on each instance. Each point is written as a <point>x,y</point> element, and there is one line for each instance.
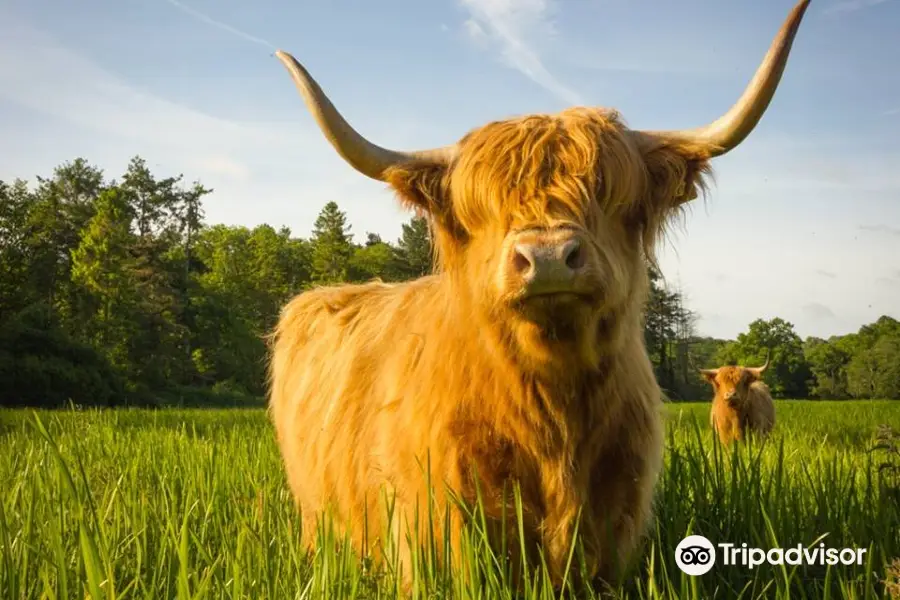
<point>729,377</point>
<point>542,168</point>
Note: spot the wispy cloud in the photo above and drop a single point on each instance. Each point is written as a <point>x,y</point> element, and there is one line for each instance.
<point>825,273</point>
<point>881,229</point>
<point>108,118</point>
<point>518,28</point>
<point>220,25</point>
<point>817,311</point>
<point>892,111</point>
<point>847,6</point>
<point>890,282</point>
<point>85,94</point>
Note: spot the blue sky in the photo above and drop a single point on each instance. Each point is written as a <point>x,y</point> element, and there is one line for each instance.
<point>802,223</point>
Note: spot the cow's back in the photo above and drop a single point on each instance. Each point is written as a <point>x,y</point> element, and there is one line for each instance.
<point>335,356</point>
<point>761,408</point>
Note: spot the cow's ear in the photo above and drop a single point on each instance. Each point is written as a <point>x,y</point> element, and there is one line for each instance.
<point>678,172</point>
<point>750,376</point>
<point>424,188</point>
<point>709,375</point>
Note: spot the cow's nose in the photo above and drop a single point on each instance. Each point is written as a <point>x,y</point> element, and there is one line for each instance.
<point>548,267</point>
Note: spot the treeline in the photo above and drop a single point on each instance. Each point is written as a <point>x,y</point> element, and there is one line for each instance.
<point>118,292</point>
<point>858,365</point>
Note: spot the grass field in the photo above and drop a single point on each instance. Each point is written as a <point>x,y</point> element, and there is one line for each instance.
<point>193,504</point>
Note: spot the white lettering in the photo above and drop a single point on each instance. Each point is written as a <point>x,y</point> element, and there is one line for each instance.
<point>733,555</point>
<point>725,554</point>
<point>757,557</point>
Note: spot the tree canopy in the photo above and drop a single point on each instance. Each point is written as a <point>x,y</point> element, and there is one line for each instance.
<point>118,292</point>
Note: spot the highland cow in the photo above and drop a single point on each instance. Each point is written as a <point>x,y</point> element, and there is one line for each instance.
<point>742,404</point>
<point>521,360</point>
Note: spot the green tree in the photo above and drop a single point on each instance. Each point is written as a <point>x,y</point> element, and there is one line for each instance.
<point>15,203</point>
<point>101,265</point>
<point>887,357</point>
<point>669,334</point>
<point>155,202</point>
<point>374,260</point>
<point>414,255</point>
<point>62,206</point>
<point>41,365</point>
<point>874,367</point>
<point>187,211</point>
<point>827,362</point>
<point>331,246</point>
<point>224,346</point>
<point>247,277</point>
<point>705,352</point>
<point>788,374</point>
<point>659,329</point>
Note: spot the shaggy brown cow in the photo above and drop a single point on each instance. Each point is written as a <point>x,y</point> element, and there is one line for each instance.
<point>742,404</point>
<point>522,359</point>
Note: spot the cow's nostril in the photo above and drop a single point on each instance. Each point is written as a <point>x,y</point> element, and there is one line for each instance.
<point>574,255</point>
<point>522,259</point>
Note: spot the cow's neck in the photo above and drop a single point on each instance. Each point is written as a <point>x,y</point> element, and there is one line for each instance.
<point>558,406</point>
<point>564,366</point>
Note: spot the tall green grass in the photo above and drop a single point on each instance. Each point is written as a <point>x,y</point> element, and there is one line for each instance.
<point>193,504</point>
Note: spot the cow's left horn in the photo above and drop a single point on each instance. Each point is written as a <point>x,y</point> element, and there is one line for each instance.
<point>364,156</point>
<point>726,132</point>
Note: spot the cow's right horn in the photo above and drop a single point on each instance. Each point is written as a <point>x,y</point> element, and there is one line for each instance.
<point>729,130</point>
<point>364,156</point>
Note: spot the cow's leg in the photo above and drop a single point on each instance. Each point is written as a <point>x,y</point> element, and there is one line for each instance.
<point>728,429</point>
<point>309,528</point>
<point>619,506</point>
<point>738,428</point>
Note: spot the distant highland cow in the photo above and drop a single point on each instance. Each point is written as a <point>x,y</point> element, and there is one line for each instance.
<point>742,403</point>
<point>523,357</point>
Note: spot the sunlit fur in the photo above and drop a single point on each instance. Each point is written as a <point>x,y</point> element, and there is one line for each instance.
<point>742,404</point>
<point>367,380</point>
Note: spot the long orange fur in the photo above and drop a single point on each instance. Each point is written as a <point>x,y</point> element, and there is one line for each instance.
<point>371,382</point>
<point>742,405</point>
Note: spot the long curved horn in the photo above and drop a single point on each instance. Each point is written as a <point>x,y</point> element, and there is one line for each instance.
<point>709,372</point>
<point>364,156</point>
<point>758,371</point>
<point>729,130</point>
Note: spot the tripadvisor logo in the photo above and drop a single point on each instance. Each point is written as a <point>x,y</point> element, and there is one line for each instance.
<point>696,555</point>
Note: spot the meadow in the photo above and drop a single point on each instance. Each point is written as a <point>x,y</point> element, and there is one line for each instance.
<point>193,504</point>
